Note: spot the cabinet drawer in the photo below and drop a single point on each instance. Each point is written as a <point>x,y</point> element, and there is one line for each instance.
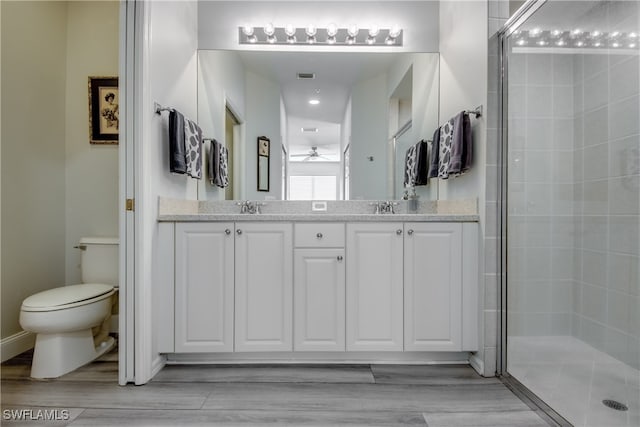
<point>318,235</point>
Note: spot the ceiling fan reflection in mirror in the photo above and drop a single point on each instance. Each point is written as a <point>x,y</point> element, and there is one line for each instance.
<point>311,155</point>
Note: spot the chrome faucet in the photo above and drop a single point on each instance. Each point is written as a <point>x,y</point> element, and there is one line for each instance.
<point>387,207</point>
<point>250,207</point>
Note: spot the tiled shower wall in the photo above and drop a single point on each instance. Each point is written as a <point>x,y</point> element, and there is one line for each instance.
<point>574,167</point>
<point>541,199</point>
<point>606,291</point>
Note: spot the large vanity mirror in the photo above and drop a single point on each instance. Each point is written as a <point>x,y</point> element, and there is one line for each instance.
<point>339,123</point>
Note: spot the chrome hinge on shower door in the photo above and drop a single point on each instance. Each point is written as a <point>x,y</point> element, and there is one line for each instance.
<point>130,205</point>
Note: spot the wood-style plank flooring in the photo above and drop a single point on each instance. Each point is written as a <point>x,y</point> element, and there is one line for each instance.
<point>301,395</point>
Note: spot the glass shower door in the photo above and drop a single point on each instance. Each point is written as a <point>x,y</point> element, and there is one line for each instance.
<point>573,209</point>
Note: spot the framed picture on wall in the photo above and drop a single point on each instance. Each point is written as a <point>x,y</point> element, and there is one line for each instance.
<point>263,163</point>
<point>104,112</point>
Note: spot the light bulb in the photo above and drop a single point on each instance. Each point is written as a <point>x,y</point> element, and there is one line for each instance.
<point>395,31</point>
<point>371,40</point>
<point>560,42</point>
<point>374,30</point>
<point>353,30</point>
<point>247,30</point>
<point>596,33</point>
<point>615,34</point>
<point>556,33</point>
<point>269,29</point>
<point>535,32</point>
<point>390,40</point>
<point>350,40</point>
<point>542,43</point>
<point>314,101</point>
<point>576,32</point>
<point>632,45</point>
<point>332,30</point>
<point>290,30</point>
<point>597,44</point>
<point>311,30</point>
<point>633,35</point>
<point>521,42</point>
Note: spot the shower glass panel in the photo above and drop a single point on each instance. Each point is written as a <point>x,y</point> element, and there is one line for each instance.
<point>573,209</point>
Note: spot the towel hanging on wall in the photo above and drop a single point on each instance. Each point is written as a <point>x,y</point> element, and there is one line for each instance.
<point>454,147</point>
<point>193,148</point>
<point>177,157</point>
<point>217,164</point>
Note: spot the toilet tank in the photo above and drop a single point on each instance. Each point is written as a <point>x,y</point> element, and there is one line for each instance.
<point>99,260</point>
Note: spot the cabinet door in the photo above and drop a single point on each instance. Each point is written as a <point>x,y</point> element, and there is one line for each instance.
<point>433,286</point>
<point>374,286</point>
<point>264,254</point>
<point>319,300</point>
<point>204,287</point>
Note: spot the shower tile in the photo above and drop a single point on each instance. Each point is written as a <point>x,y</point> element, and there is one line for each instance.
<point>596,197</point>
<point>623,118</point>
<point>623,79</point>
<point>624,233</point>
<point>490,229</point>
<point>539,69</point>
<point>492,147</point>
<point>562,166</point>
<point>517,101</point>
<point>562,199</point>
<point>538,296</point>
<point>624,156</point>
<point>594,233</point>
<point>517,133</point>
<point>538,166</point>
<point>617,310</point>
<point>622,275</point>
<point>562,264</point>
<point>563,101</point>
<point>578,165</point>
<point>578,98</point>
<point>578,131</point>
<point>594,64</point>
<point>562,232</point>
<point>563,134</point>
<point>538,231</point>
<point>578,68</point>
<point>537,324</point>
<point>490,249</point>
<point>561,295</point>
<point>596,126</point>
<point>538,199</point>
<point>596,162</point>
<point>562,69</point>
<point>517,69</point>
<point>491,194</point>
<point>592,303</point>
<point>594,268</point>
<point>537,264</point>
<point>624,195</point>
<point>490,328</point>
<point>561,323</point>
<point>539,101</point>
<point>596,91</point>
<point>490,291</point>
<point>592,333</point>
<point>539,134</point>
<point>621,12</point>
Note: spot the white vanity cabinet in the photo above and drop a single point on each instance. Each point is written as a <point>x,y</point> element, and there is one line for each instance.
<point>374,286</point>
<point>433,287</point>
<point>263,286</point>
<point>204,286</point>
<point>319,287</point>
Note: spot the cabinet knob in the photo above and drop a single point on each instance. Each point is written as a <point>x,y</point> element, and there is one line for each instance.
<point>238,232</point>
<point>410,232</point>
<point>398,232</point>
<point>227,231</point>
<point>339,257</point>
<point>319,235</point>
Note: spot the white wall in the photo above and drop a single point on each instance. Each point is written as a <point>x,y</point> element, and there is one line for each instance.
<point>33,152</point>
<point>168,76</point>
<point>463,85</point>
<point>369,139</point>
<point>219,20</point>
<point>262,101</point>
<point>91,200</point>
<point>220,80</point>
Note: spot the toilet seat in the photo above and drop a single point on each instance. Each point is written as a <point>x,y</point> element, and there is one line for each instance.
<point>66,297</point>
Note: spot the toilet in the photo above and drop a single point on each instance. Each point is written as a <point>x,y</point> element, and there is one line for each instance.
<point>72,323</point>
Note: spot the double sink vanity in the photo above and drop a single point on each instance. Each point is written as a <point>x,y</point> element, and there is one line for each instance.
<point>342,283</point>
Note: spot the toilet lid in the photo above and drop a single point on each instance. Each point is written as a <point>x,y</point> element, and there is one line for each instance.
<point>66,295</point>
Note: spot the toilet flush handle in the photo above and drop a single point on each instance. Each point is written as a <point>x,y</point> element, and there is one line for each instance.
<point>81,247</point>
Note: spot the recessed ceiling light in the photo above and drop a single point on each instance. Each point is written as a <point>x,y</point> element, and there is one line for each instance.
<point>309,130</point>
<point>314,101</point>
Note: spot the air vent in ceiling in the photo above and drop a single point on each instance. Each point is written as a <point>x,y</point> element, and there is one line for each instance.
<point>306,76</point>
<point>312,130</point>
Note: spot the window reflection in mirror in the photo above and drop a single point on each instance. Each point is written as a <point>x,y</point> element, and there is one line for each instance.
<point>338,132</point>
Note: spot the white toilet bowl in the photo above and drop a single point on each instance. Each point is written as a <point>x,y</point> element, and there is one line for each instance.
<point>72,326</point>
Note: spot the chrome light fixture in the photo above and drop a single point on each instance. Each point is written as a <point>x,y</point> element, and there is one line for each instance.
<point>331,35</point>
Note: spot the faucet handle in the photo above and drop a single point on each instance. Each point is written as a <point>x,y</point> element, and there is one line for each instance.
<point>257,207</point>
<point>377,205</point>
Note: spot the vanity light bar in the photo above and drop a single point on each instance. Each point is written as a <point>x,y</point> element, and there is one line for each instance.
<point>311,35</point>
<point>576,38</point>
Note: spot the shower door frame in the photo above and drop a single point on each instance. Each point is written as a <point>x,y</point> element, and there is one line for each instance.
<point>545,411</point>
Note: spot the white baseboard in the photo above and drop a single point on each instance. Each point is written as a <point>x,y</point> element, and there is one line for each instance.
<point>477,364</point>
<point>15,344</point>
<point>157,365</point>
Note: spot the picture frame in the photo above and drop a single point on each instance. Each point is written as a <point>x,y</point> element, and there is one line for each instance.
<point>104,111</point>
<point>264,149</point>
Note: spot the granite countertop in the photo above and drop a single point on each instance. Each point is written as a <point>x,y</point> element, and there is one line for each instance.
<point>316,217</point>
<point>175,210</point>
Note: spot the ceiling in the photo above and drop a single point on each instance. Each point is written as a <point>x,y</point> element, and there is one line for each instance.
<point>335,75</point>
